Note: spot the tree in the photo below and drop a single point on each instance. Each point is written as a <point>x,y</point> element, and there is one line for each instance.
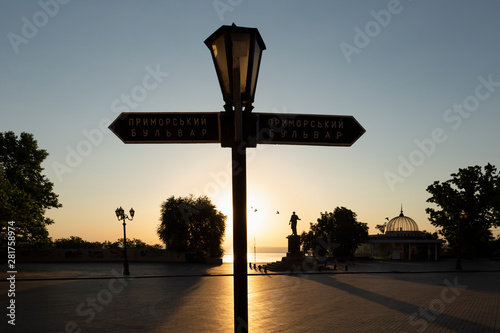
<point>381,227</point>
<point>469,206</point>
<point>193,225</point>
<point>75,242</point>
<point>496,247</point>
<point>114,245</point>
<point>337,233</point>
<point>135,243</point>
<point>25,193</point>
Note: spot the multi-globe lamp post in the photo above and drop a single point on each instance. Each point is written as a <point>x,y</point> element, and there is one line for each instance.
<point>462,216</point>
<point>121,216</point>
<point>236,53</point>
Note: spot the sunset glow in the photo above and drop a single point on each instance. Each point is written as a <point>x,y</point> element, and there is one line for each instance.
<point>425,86</point>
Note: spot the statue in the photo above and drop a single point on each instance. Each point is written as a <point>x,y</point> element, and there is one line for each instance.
<point>293,222</point>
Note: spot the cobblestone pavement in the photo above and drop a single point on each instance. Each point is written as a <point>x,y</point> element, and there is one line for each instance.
<point>197,298</point>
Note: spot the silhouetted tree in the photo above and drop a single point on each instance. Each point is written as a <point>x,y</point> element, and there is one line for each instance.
<point>429,235</point>
<point>75,242</point>
<point>381,227</point>
<point>25,193</point>
<point>495,252</point>
<point>109,245</point>
<point>471,191</point>
<point>135,244</point>
<point>193,225</point>
<point>337,233</point>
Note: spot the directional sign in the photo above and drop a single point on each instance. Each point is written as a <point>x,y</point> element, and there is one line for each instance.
<point>306,129</point>
<point>163,127</point>
<point>272,128</point>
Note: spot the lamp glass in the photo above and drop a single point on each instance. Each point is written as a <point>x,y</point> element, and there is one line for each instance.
<point>241,51</point>
<point>132,212</point>
<point>255,68</point>
<point>221,64</point>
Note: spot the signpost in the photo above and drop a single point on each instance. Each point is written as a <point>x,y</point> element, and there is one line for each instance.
<point>162,127</point>
<point>236,52</point>
<point>306,129</point>
<point>272,128</point>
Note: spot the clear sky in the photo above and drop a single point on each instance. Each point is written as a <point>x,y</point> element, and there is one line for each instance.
<point>422,77</point>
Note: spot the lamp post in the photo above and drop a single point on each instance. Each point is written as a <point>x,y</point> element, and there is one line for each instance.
<point>236,53</point>
<point>121,216</point>
<point>461,216</point>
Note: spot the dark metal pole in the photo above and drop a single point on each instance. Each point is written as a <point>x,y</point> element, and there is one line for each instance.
<point>459,259</point>
<point>125,259</point>
<point>238,155</point>
<point>240,239</point>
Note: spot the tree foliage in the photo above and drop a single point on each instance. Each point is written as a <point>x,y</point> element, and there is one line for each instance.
<point>133,243</point>
<point>381,227</point>
<point>193,225</point>
<point>75,242</point>
<point>337,234</point>
<point>25,193</point>
<point>469,202</point>
<point>496,247</point>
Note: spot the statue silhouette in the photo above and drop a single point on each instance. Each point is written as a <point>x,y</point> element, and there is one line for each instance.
<point>293,222</point>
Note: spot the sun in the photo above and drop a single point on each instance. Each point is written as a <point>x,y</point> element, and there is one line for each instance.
<point>264,221</point>
<point>260,215</point>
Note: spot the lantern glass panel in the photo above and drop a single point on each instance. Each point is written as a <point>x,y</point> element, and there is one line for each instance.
<point>220,56</point>
<point>241,50</point>
<point>255,69</point>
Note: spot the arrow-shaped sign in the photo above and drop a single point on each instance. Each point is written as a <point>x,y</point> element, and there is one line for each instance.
<point>307,129</point>
<point>164,127</point>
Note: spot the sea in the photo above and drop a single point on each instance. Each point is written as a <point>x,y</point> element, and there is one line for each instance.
<point>260,255</point>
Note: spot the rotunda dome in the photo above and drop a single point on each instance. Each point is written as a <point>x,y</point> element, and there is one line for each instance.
<point>401,223</point>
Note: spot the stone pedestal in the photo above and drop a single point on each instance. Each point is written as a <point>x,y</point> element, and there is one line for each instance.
<point>294,261</point>
<point>293,246</point>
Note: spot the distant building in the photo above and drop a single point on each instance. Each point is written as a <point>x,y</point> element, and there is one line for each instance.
<point>401,240</point>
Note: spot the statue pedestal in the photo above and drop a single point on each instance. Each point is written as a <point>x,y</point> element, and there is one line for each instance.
<point>294,261</point>
<point>293,246</point>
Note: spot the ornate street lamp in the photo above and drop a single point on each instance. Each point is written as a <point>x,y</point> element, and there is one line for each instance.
<point>236,52</point>
<point>462,216</point>
<point>121,216</point>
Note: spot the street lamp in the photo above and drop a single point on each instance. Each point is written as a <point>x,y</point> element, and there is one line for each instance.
<point>462,216</point>
<point>236,53</point>
<point>121,216</point>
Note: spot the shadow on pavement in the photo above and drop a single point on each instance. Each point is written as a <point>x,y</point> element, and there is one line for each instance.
<point>414,313</point>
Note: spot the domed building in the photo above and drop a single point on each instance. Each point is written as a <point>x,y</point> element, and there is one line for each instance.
<point>401,240</point>
<point>401,226</point>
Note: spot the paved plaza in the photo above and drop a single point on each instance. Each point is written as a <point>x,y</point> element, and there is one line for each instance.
<point>370,297</point>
